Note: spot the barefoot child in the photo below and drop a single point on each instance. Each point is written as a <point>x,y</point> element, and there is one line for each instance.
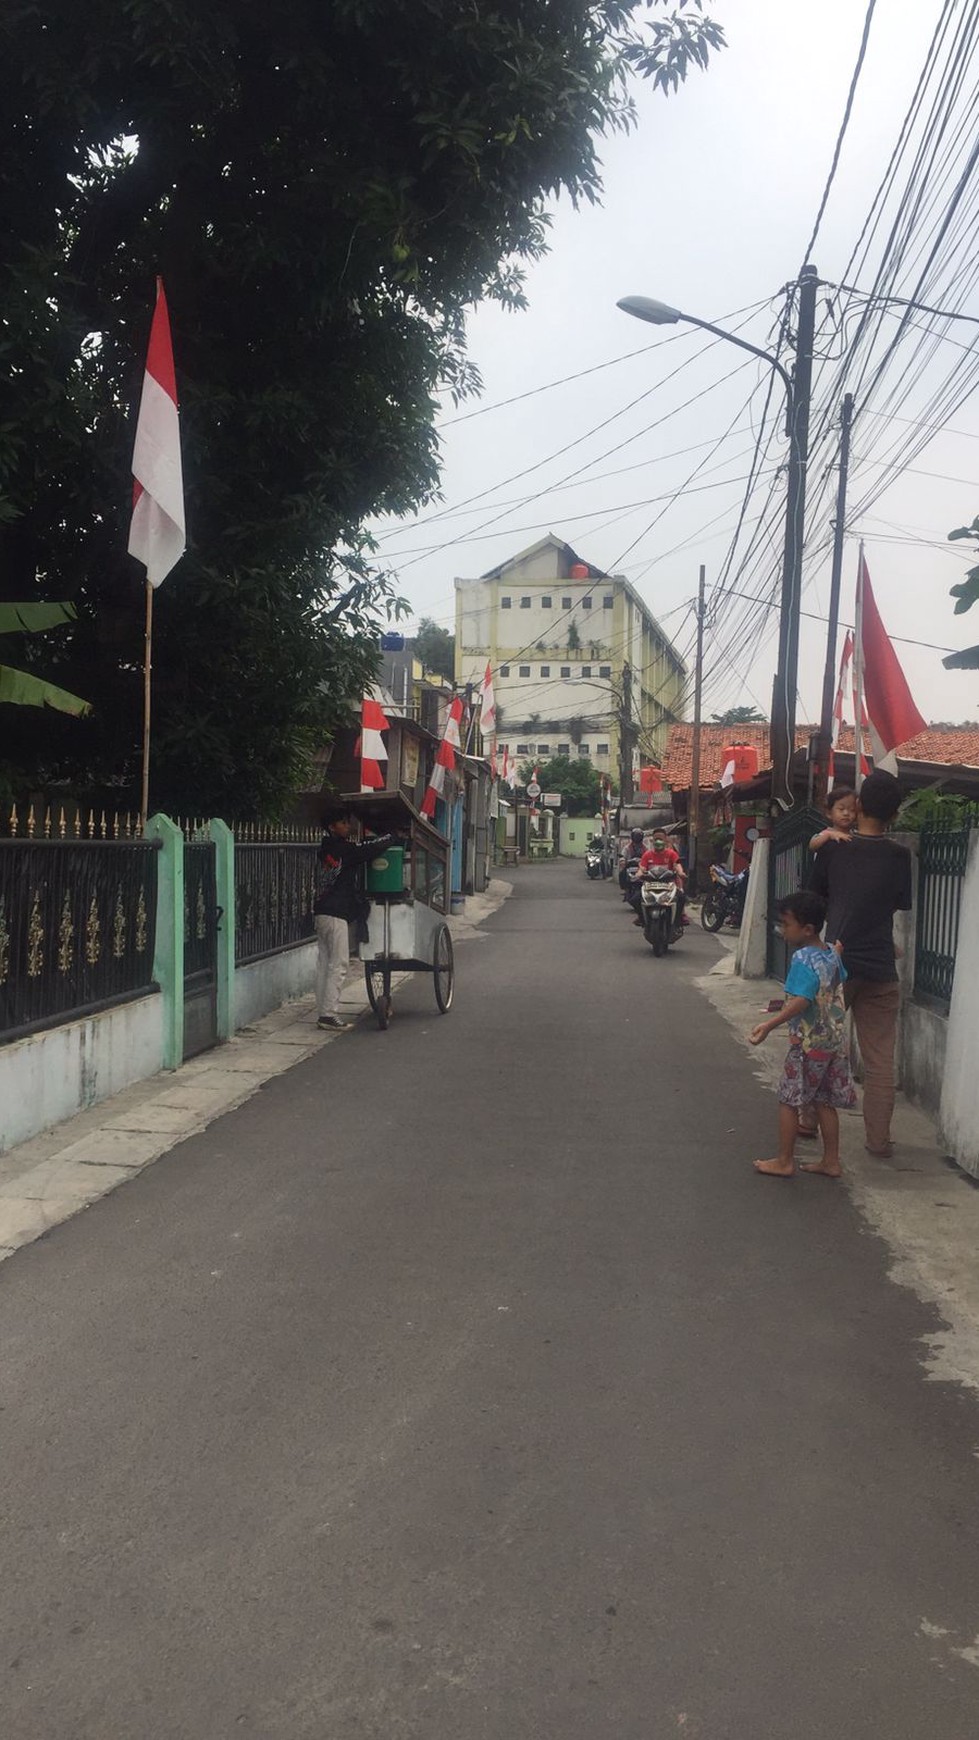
<point>841,809</point>
<point>817,1072</point>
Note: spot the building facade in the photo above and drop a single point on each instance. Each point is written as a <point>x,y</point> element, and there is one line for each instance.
<point>581,666</point>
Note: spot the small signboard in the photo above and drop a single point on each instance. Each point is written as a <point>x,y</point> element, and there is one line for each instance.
<point>552,800</point>
<point>533,789</point>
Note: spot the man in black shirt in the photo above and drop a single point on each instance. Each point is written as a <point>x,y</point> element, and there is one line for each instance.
<point>338,901</point>
<point>865,880</point>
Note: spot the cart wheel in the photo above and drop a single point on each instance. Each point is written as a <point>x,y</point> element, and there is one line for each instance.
<point>443,966</point>
<point>378,981</point>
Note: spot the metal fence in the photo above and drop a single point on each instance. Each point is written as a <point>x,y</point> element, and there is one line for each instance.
<point>943,854</point>
<point>789,864</point>
<point>77,927</point>
<point>274,887</point>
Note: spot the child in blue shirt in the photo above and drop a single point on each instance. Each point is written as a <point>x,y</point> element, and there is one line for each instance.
<point>817,1070</point>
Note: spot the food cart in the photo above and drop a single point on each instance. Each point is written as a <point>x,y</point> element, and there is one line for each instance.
<point>408,888</point>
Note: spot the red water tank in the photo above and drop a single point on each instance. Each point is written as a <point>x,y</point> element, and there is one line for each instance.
<point>579,571</point>
<point>745,758</point>
<point>650,779</point>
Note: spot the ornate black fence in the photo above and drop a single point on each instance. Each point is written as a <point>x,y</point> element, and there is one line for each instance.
<point>943,854</point>
<point>274,885</point>
<point>77,928</point>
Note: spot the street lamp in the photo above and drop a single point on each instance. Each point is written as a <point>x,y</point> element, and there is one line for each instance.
<point>798,389</point>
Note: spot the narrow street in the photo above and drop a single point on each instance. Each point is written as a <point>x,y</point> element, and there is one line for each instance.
<point>465,1384</point>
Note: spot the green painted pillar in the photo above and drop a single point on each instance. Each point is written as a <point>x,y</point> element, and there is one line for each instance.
<point>168,959</point>
<point>224,849</point>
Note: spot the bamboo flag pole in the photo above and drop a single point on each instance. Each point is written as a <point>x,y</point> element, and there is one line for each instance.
<point>858,678</point>
<point>144,802</point>
<point>157,535</point>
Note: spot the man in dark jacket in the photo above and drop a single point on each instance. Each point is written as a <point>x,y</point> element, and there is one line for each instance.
<point>866,880</point>
<point>338,902</point>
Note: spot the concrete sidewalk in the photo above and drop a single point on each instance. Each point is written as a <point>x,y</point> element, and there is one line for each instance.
<point>920,1203</point>
<point>63,1170</point>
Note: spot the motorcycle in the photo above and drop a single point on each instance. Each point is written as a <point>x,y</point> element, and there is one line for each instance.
<point>659,908</point>
<point>725,901</point>
<point>594,867</point>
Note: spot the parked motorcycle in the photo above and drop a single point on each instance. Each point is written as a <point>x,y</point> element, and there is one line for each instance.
<point>659,908</point>
<point>724,903</point>
<point>593,862</point>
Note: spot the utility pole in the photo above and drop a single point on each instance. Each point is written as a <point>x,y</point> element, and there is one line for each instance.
<point>824,741</point>
<point>625,737</point>
<point>694,807</point>
<point>787,672</point>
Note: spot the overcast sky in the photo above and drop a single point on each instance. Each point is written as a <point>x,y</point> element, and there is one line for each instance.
<point>709,205</point>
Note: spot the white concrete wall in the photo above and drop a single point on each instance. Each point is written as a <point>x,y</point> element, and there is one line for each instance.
<point>52,1075</point>
<point>262,986</point>
<point>959,1115</point>
<point>752,948</point>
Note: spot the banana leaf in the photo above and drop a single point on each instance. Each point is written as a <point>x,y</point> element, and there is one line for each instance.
<point>24,690</point>
<point>33,618</point>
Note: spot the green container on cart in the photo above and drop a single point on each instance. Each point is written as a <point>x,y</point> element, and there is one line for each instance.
<point>386,874</point>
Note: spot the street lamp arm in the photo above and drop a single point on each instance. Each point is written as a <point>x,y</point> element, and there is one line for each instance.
<point>663,314</point>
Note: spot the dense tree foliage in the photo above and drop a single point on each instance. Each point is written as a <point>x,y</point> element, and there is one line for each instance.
<point>578,782</point>
<point>326,186</point>
<point>739,716</point>
<point>965,595</point>
<point>436,647</point>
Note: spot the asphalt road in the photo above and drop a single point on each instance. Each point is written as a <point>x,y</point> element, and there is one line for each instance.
<point>465,1384</point>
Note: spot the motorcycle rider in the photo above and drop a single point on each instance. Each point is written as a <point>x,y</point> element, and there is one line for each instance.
<point>661,855</point>
<point>630,857</point>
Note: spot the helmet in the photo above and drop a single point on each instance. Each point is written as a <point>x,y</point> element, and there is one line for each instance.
<point>637,835</point>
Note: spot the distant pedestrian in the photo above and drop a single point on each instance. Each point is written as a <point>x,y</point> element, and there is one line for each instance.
<point>866,880</point>
<point>339,902</point>
<point>816,1073</point>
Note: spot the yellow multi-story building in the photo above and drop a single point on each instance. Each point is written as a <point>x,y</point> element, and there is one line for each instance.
<point>581,666</point>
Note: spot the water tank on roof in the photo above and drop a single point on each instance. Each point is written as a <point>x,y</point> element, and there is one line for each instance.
<point>745,758</point>
<point>579,571</point>
<point>650,779</point>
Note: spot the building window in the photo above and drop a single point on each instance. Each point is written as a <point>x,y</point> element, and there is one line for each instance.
<point>605,670</point>
<point>586,670</point>
<point>586,603</point>
<point>608,601</point>
<point>564,749</point>
<point>525,603</point>
<point>545,603</point>
<point>505,603</point>
<point>565,670</point>
<point>523,748</point>
<point>601,749</point>
<point>504,670</point>
<point>523,670</point>
<point>567,604</point>
<point>543,749</point>
<point>583,752</point>
<point>545,670</point>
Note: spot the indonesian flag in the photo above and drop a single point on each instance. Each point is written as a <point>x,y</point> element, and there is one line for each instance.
<point>373,721</point>
<point>494,770</point>
<point>891,713</point>
<point>445,760</point>
<point>846,669</point>
<point>487,711</point>
<point>727,776</point>
<point>157,532</point>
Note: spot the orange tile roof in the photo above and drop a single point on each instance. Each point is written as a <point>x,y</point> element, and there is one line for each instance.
<point>952,746</point>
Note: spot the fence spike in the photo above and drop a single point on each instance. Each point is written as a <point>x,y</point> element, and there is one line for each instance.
<point>47,823</point>
<point>30,823</point>
<point>115,824</point>
<point>62,824</point>
<point>102,825</point>
<point>91,824</point>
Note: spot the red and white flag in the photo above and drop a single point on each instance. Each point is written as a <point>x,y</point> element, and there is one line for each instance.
<point>373,720</point>
<point>727,774</point>
<point>892,716</point>
<point>445,759</point>
<point>487,711</point>
<point>157,532</point>
<point>846,661</point>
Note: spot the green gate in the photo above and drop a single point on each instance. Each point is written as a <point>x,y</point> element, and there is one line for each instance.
<point>789,864</point>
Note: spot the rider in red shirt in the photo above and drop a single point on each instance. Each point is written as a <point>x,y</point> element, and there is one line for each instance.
<point>660,855</point>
